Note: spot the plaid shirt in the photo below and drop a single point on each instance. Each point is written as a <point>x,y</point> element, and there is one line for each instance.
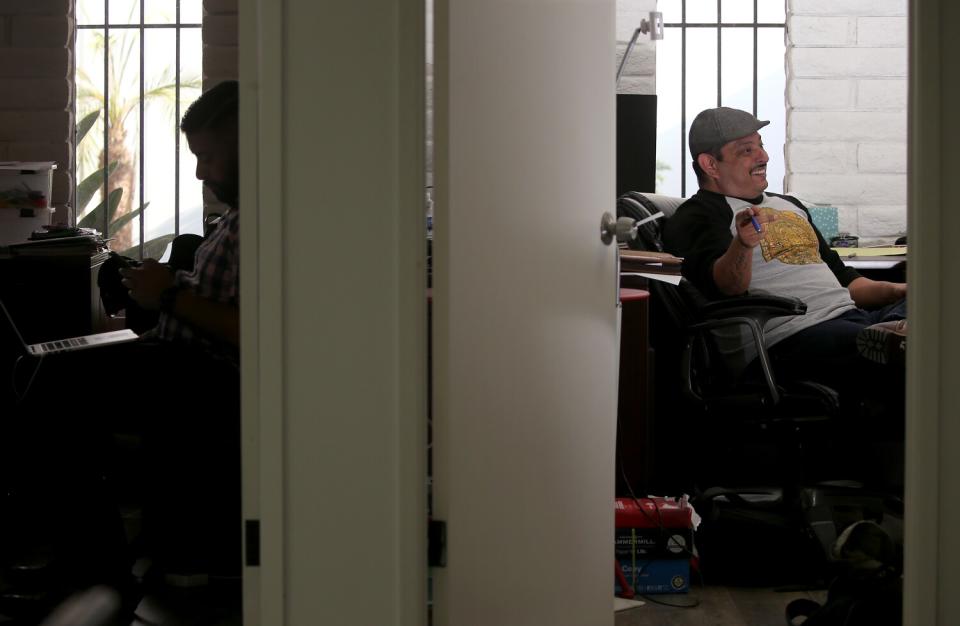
<point>216,277</point>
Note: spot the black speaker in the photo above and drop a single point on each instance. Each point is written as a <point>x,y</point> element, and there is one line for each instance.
<point>636,142</point>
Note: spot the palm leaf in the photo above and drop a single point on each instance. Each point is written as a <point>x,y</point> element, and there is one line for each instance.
<point>122,221</point>
<point>89,185</point>
<point>89,93</point>
<point>84,125</point>
<point>94,219</point>
<point>163,92</point>
<point>153,249</point>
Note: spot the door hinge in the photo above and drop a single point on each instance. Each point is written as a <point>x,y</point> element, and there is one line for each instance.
<point>436,543</point>
<point>252,542</point>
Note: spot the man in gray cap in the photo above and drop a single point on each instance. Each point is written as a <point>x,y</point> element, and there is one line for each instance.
<point>735,237</point>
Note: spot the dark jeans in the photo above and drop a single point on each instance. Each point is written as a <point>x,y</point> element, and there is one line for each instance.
<point>181,406</point>
<point>827,353</point>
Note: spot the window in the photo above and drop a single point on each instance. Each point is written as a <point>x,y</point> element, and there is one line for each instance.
<point>138,66</point>
<point>718,53</point>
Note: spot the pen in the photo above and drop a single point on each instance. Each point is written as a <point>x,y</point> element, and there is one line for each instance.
<point>756,224</point>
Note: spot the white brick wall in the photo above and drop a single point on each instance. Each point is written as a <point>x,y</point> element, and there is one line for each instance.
<point>846,111</point>
<point>219,41</point>
<point>640,72</point>
<point>36,68</point>
<point>220,61</point>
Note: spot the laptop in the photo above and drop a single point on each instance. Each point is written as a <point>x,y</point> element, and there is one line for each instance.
<point>72,343</point>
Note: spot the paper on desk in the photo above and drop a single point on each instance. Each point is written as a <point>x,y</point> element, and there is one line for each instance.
<point>673,279</point>
<point>864,252</point>
<point>622,604</point>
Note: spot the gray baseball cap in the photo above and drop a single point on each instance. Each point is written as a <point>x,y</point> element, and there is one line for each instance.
<point>712,128</point>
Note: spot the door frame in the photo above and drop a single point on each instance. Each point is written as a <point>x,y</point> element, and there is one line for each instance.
<point>931,570</point>
<point>309,457</point>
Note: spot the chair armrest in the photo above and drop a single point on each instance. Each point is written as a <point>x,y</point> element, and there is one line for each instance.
<point>756,331</point>
<point>750,310</point>
<point>759,307</point>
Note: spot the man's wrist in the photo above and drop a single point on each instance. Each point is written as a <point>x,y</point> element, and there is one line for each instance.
<point>168,298</point>
<point>742,243</point>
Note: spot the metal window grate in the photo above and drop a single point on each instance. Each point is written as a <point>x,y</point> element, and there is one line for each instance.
<point>683,26</point>
<point>106,26</point>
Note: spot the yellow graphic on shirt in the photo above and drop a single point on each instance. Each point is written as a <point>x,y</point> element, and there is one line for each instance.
<point>789,239</point>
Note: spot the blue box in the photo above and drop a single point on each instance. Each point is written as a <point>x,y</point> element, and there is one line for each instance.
<point>826,220</point>
<point>659,576</point>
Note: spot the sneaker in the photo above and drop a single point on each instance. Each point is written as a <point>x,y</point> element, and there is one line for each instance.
<point>884,343</point>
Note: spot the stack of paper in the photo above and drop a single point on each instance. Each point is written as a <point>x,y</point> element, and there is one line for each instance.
<point>66,242</point>
<point>850,253</point>
<point>643,261</point>
<point>652,265</point>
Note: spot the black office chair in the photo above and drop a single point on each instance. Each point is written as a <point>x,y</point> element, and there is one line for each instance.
<point>760,447</point>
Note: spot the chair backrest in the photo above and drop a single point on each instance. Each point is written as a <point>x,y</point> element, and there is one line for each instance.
<point>678,304</point>
<point>667,205</point>
<point>638,206</point>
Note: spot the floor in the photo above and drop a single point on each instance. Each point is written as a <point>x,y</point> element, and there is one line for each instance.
<point>219,603</point>
<point>716,606</point>
<point>705,606</point>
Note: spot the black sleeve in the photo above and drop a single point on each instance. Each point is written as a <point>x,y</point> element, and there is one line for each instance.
<point>845,275</point>
<point>700,233</point>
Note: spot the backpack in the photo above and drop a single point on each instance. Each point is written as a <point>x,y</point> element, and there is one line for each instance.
<point>868,588</point>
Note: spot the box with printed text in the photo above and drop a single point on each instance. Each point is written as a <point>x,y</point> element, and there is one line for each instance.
<point>653,545</point>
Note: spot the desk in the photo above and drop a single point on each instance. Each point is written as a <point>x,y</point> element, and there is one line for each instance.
<point>52,297</point>
<point>635,394</point>
<point>892,268</point>
<point>49,297</point>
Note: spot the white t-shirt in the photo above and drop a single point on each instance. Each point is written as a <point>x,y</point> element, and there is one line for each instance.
<point>786,263</point>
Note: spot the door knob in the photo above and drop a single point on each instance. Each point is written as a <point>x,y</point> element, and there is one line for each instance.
<point>623,229</point>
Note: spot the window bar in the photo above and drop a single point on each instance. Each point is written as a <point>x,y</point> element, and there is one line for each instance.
<point>176,131</point>
<point>142,26</point>
<point>719,56</point>
<point>682,26</point>
<point>143,50</point>
<point>683,97</point>
<point>106,117</point>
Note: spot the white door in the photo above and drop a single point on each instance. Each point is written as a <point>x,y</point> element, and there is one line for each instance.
<point>334,311</point>
<point>524,312</point>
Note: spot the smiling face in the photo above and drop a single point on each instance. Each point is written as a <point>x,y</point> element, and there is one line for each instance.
<point>741,171</point>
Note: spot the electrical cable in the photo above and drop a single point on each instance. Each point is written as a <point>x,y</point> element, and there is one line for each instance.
<point>658,522</point>
<point>21,396</point>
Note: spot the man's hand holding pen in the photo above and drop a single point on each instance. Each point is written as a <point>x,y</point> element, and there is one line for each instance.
<point>751,225</point>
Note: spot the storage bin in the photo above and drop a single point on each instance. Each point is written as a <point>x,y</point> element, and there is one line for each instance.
<point>16,225</point>
<point>26,184</point>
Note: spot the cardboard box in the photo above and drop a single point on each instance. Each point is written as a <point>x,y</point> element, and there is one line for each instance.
<point>653,544</point>
<point>26,184</point>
